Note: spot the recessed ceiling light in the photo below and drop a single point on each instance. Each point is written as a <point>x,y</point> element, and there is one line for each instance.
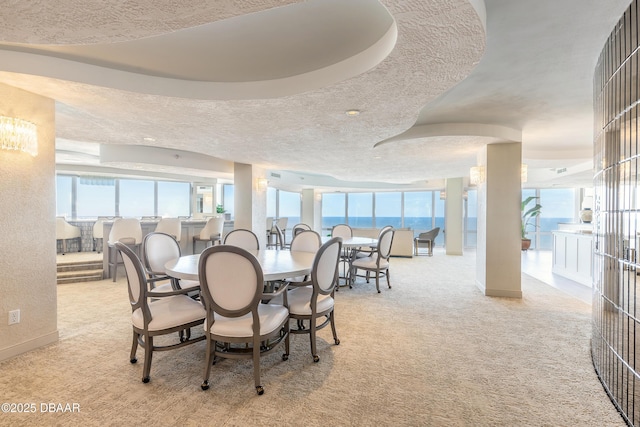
<point>352,113</point>
<point>149,139</point>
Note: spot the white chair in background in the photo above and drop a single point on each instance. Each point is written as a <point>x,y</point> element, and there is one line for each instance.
<point>378,262</point>
<point>212,232</point>
<point>127,231</point>
<point>314,300</point>
<point>154,314</point>
<point>158,248</point>
<point>299,228</point>
<point>66,231</point>
<point>242,238</point>
<point>170,226</point>
<point>98,234</point>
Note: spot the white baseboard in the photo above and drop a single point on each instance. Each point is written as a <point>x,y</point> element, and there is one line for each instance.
<point>16,350</point>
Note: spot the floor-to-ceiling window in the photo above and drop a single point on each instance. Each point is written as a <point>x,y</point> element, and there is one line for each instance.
<point>388,209</point>
<point>334,210</point>
<point>96,196</point>
<point>88,197</point>
<point>418,210</point>
<point>558,206</point>
<point>64,196</point>
<point>173,199</point>
<point>360,210</point>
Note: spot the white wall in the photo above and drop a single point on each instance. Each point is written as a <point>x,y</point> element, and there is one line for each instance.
<point>27,208</point>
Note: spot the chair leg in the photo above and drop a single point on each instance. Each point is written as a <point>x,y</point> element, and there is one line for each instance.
<point>256,366</point>
<point>211,345</point>
<point>148,352</point>
<point>312,337</point>
<point>378,281</point>
<point>386,273</point>
<point>333,327</point>
<point>134,347</point>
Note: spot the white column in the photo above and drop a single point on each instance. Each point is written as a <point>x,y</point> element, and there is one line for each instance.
<point>250,201</point>
<point>309,211</point>
<point>454,217</point>
<point>498,253</point>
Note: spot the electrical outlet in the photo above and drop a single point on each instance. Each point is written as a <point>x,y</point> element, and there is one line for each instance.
<point>14,317</point>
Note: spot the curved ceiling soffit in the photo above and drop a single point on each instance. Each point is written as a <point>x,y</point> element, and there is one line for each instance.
<point>31,60</point>
<point>71,22</point>
<point>502,133</point>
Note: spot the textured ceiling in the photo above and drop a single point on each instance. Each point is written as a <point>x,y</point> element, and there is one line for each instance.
<point>122,73</point>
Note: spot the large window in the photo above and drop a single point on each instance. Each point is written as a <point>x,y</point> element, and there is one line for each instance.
<point>558,205</point>
<point>95,197</point>
<point>418,210</point>
<point>388,209</point>
<point>137,198</point>
<point>64,193</point>
<point>228,199</point>
<point>289,204</point>
<point>272,202</point>
<point>360,206</point>
<point>334,207</point>
<point>174,199</point>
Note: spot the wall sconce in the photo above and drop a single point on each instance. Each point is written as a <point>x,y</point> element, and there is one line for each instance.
<point>476,175</point>
<point>18,134</point>
<point>261,184</point>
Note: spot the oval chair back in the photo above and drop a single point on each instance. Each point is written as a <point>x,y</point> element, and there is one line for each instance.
<point>384,243</point>
<point>170,226</point>
<point>213,228</point>
<point>158,248</point>
<point>324,274</point>
<point>342,230</point>
<point>242,238</point>
<point>306,241</point>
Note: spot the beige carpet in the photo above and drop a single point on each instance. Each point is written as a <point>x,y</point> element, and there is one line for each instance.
<point>432,351</point>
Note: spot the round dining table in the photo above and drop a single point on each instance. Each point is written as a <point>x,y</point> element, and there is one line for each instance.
<point>276,264</point>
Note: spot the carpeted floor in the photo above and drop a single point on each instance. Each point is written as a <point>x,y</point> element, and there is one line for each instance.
<point>431,351</point>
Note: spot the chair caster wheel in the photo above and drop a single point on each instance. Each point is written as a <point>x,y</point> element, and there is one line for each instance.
<point>337,341</point>
<point>316,358</point>
<point>259,390</point>
<point>134,360</point>
<point>205,385</point>
<point>145,380</point>
<point>285,357</point>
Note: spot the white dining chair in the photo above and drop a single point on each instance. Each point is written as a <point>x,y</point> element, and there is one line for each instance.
<point>154,314</point>
<point>171,226</point>
<point>66,231</point>
<point>127,231</point>
<point>211,233</point>
<point>238,325</point>
<point>315,303</point>
<point>242,238</point>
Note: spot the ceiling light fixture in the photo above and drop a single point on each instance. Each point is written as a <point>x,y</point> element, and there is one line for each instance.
<point>352,113</point>
<point>18,134</point>
<point>149,139</point>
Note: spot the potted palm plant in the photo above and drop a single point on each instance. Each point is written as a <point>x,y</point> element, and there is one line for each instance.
<point>529,215</point>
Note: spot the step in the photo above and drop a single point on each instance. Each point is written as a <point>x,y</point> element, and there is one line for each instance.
<point>80,265</point>
<point>79,276</point>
